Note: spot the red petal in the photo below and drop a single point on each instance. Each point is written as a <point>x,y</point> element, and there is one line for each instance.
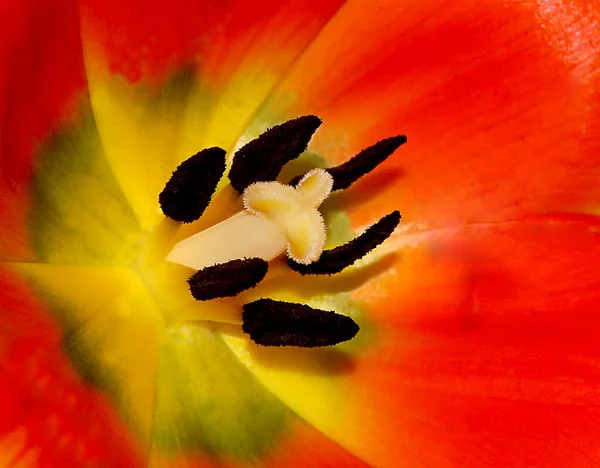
<point>40,74</point>
<point>478,347</point>
<point>494,355</point>
<point>49,416</point>
<point>145,39</point>
<point>496,98</point>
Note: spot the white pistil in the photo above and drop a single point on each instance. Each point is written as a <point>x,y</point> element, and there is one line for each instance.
<point>276,217</point>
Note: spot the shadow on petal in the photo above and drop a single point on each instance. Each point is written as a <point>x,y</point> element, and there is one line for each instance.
<point>366,189</point>
<point>315,361</point>
<point>312,285</point>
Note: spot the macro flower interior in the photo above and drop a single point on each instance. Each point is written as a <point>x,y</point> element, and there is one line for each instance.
<point>479,315</point>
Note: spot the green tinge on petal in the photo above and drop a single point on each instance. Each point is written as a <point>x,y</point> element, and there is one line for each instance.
<point>79,215</point>
<point>339,229</point>
<point>141,128</point>
<point>316,384</point>
<point>301,165</point>
<point>182,388</point>
<point>112,330</point>
<point>208,402</point>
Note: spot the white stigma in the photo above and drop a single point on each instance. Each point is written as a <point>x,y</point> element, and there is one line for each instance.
<point>295,211</point>
<point>276,217</point>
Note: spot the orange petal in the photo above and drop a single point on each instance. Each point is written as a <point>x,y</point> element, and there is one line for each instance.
<point>143,40</point>
<point>307,447</point>
<point>494,356</point>
<point>481,350</point>
<point>497,100</point>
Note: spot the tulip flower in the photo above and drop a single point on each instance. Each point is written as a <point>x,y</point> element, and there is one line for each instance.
<point>473,336</point>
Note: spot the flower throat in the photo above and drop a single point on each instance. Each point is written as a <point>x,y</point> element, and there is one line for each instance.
<point>234,255</point>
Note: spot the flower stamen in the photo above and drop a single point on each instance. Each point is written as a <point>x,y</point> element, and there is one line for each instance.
<point>262,159</point>
<point>276,323</point>
<point>227,279</point>
<point>362,163</point>
<point>191,186</point>
<point>335,260</point>
<point>232,255</point>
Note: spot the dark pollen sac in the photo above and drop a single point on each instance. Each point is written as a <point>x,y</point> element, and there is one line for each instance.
<point>361,164</point>
<point>335,260</point>
<point>191,186</point>
<point>364,162</point>
<point>263,158</point>
<point>227,279</point>
<point>276,323</point>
